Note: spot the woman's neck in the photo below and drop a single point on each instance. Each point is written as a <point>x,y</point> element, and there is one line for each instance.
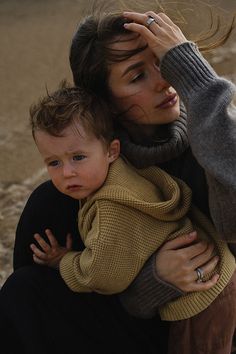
<point>146,134</point>
<point>146,145</point>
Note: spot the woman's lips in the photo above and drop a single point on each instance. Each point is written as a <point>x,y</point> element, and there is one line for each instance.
<point>168,102</point>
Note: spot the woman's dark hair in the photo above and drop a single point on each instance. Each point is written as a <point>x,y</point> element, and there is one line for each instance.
<point>91,53</point>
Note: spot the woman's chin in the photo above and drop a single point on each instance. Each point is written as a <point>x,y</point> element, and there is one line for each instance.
<point>168,116</point>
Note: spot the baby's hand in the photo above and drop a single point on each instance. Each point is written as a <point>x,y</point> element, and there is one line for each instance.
<point>52,253</point>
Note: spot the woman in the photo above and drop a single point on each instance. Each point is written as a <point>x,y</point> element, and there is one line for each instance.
<point>122,65</point>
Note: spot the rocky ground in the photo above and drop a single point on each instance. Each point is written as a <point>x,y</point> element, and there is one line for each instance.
<point>35,37</point>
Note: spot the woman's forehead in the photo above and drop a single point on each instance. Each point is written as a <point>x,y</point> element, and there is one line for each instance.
<point>128,42</point>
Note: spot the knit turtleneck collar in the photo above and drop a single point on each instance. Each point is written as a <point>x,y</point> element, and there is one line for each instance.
<point>159,151</point>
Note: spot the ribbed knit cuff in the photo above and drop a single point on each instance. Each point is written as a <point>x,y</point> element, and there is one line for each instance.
<point>148,292</point>
<point>66,269</point>
<point>186,69</point>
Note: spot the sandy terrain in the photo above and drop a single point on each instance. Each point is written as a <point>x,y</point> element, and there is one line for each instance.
<point>35,38</point>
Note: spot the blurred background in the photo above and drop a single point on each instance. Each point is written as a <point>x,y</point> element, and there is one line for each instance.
<point>35,38</point>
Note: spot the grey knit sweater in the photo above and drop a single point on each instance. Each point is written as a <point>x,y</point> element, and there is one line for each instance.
<point>211,130</point>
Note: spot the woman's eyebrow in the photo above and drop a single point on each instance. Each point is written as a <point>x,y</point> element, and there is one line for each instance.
<point>132,67</point>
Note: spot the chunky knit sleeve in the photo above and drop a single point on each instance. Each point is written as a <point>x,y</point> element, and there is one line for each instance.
<point>117,245</point>
<point>148,292</point>
<point>211,128</point>
<point>108,264</point>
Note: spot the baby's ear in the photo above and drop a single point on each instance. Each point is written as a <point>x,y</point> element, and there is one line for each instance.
<point>114,150</point>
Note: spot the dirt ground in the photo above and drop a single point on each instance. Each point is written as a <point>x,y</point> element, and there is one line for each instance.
<point>35,38</point>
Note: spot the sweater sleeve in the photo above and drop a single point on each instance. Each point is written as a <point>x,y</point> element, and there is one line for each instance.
<point>211,114</point>
<point>97,268</point>
<point>148,292</point>
<point>109,262</point>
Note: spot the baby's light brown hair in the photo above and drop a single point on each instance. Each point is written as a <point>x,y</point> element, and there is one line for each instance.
<point>58,110</point>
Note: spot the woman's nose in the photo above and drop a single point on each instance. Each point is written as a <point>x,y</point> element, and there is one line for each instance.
<point>159,83</point>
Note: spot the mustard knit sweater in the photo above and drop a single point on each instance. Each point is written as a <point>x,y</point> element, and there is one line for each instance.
<point>126,220</point>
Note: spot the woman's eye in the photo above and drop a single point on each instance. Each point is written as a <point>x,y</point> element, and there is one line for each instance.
<point>53,163</point>
<point>157,65</point>
<point>78,157</point>
<point>138,77</point>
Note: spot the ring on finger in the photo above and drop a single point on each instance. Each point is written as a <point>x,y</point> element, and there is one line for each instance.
<point>200,275</point>
<point>149,21</point>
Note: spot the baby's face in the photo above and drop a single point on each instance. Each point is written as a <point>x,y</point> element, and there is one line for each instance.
<point>76,162</point>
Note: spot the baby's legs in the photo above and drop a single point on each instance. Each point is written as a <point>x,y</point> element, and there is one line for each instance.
<point>209,332</point>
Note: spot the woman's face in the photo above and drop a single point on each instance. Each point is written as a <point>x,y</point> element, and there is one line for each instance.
<point>139,90</point>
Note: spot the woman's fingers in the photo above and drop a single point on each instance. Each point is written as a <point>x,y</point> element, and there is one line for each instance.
<point>142,18</point>
<point>200,249</point>
<point>161,34</point>
<point>180,241</point>
<point>197,249</point>
<point>173,262</point>
<point>141,24</point>
<point>209,266</point>
<point>201,286</point>
<point>161,18</point>
<point>203,257</point>
<point>137,17</point>
<point>183,260</point>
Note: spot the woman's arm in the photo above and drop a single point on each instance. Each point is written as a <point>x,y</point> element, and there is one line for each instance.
<point>168,274</point>
<point>211,128</point>
<point>150,291</point>
<point>211,113</point>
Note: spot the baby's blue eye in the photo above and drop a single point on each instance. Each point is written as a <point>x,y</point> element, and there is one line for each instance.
<point>53,163</point>
<point>78,157</point>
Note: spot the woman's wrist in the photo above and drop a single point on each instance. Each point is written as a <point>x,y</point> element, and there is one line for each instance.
<point>148,292</point>
<point>186,69</point>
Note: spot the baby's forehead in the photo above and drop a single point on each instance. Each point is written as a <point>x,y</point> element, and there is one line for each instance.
<point>82,126</point>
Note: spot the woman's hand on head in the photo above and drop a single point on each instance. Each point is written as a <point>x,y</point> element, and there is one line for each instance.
<point>161,34</point>
<point>50,254</point>
<point>178,259</point>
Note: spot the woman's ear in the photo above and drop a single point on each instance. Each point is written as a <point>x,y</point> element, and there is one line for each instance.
<point>114,150</point>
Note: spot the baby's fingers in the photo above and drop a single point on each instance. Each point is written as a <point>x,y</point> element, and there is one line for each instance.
<point>37,252</point>
<point>42,243</point>
<point>39,260</point>
<point>69,241</point>
<point>51,238</point>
